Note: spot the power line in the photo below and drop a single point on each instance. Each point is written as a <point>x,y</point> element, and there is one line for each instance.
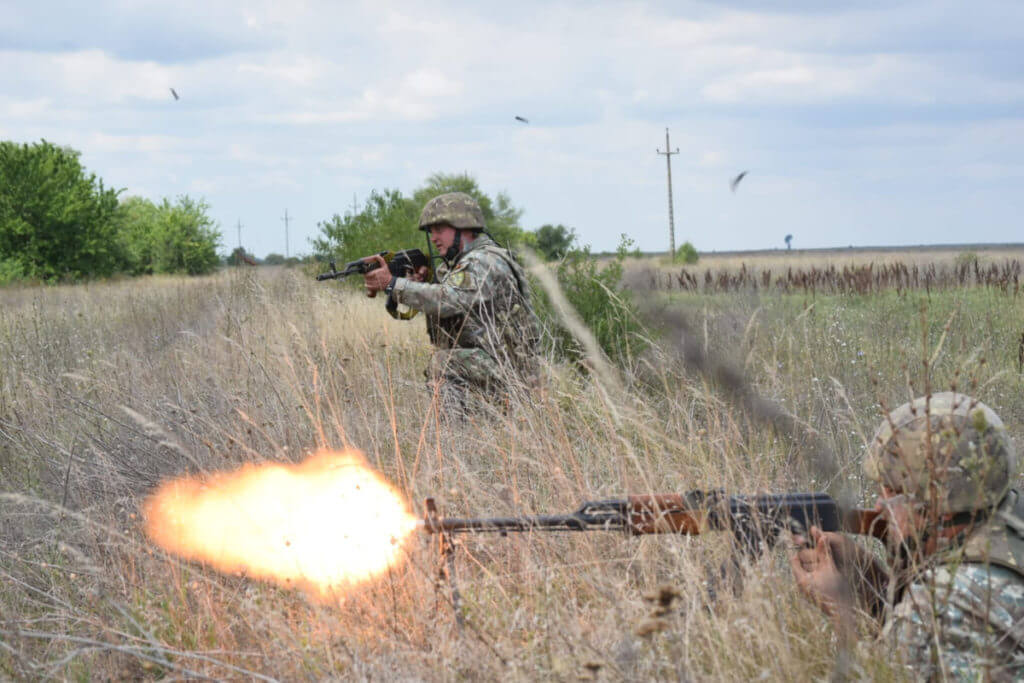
<point>285,219</point>
<point>671,220</point>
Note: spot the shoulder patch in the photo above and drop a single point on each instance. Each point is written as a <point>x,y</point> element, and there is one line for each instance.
<point>460,278</point>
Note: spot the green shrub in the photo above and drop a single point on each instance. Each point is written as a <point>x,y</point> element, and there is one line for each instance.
<point>11,271</point>
<point>554,241</point>
<point>687,253</point>
<point>594,288</point>
<point>168,238</point>
<point>185,239</point>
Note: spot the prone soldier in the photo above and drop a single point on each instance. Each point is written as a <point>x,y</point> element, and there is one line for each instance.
<point>479,316</point>
<point>951,600</point>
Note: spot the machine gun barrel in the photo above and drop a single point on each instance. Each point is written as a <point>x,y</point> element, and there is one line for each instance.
<point>751,518</point>
<point>605,515</point>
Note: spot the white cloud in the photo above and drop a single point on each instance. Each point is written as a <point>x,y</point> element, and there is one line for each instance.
<point>297,71</point>
<point>313,101</point>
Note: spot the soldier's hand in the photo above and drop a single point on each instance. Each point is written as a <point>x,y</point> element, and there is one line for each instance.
<point>420,275</point>
<point>815,569</point>
<point>378,278</point>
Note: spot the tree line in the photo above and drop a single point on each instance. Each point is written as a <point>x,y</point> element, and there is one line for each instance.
<point>59,222</point>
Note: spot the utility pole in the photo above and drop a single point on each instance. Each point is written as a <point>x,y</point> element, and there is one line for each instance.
<point>671,220</point>
<point>239,233</point>
<point>285,219</point>
<point>355,208</point>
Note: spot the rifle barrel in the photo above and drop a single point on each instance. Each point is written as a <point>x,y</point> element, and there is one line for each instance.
<point>505,524</point>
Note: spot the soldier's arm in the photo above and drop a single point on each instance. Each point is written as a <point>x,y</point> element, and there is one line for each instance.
<point>472,282</point>
<point>955,624</point>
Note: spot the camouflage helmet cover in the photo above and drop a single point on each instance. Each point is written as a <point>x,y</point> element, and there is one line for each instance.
<point>456,209</point>
<point>969,460</point>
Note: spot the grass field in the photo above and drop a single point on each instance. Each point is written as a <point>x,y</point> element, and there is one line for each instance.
<point>107,389</point>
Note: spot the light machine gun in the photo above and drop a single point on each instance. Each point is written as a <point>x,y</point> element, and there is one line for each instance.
<point>755,521</point>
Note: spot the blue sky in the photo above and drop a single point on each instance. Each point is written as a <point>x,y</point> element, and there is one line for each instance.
<point>860,123</point>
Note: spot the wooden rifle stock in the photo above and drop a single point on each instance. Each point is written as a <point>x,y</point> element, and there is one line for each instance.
<point>677,513</point>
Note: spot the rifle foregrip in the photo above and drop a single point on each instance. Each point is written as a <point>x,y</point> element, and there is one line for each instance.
<point>664,513</point>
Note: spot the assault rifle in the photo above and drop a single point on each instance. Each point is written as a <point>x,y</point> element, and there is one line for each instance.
<point>401,264</point>
<point>754,521</point>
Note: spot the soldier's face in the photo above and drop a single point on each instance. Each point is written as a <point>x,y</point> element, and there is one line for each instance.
<point>443,237</point>
<point>906,519</point>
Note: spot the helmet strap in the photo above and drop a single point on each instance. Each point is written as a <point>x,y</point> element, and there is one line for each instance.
<point>432,258</point>
<point>453,251</point>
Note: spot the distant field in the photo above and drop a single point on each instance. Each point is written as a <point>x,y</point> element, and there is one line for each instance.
<point>805,258</point>
<point>837,271</point>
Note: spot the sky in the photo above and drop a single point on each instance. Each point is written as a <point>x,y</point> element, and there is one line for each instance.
<point>859,123</point>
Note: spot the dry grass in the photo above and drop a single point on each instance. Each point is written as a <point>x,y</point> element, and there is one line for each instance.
<point>106,389</point>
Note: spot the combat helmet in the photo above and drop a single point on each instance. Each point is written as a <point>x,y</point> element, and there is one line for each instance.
<point>967,464</point>
<point>456,209</point>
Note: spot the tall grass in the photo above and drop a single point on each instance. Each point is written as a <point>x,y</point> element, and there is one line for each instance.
<point>106,389</point>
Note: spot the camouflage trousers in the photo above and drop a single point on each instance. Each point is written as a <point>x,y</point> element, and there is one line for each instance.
<point>464,376</point>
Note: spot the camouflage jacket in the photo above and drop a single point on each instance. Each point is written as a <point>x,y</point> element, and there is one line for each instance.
<point>481,301</point>
<point>963,619</point>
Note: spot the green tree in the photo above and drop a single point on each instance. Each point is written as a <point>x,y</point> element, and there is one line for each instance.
<point>185,238</point>
<point>138,219</point>
<point>239,257</point>
<point>388,221</point>
<point>595,289</point>
<point>501,217</point>
<point>167,238</point>
<point>56,220</point>
<point>554,241</point>
<point>274,259</point>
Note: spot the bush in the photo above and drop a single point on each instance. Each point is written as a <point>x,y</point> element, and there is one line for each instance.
<point>56,220</point>
<point>554,241</point>
<point>687,253</point>
<point>11,271</point>
<point>167,238</point>
<point>137,223</point>
<point>595,289</point>
<point>185,239</point>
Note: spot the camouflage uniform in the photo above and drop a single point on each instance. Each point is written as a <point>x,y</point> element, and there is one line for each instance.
<point>960,614</point>
<point>478,312</point>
